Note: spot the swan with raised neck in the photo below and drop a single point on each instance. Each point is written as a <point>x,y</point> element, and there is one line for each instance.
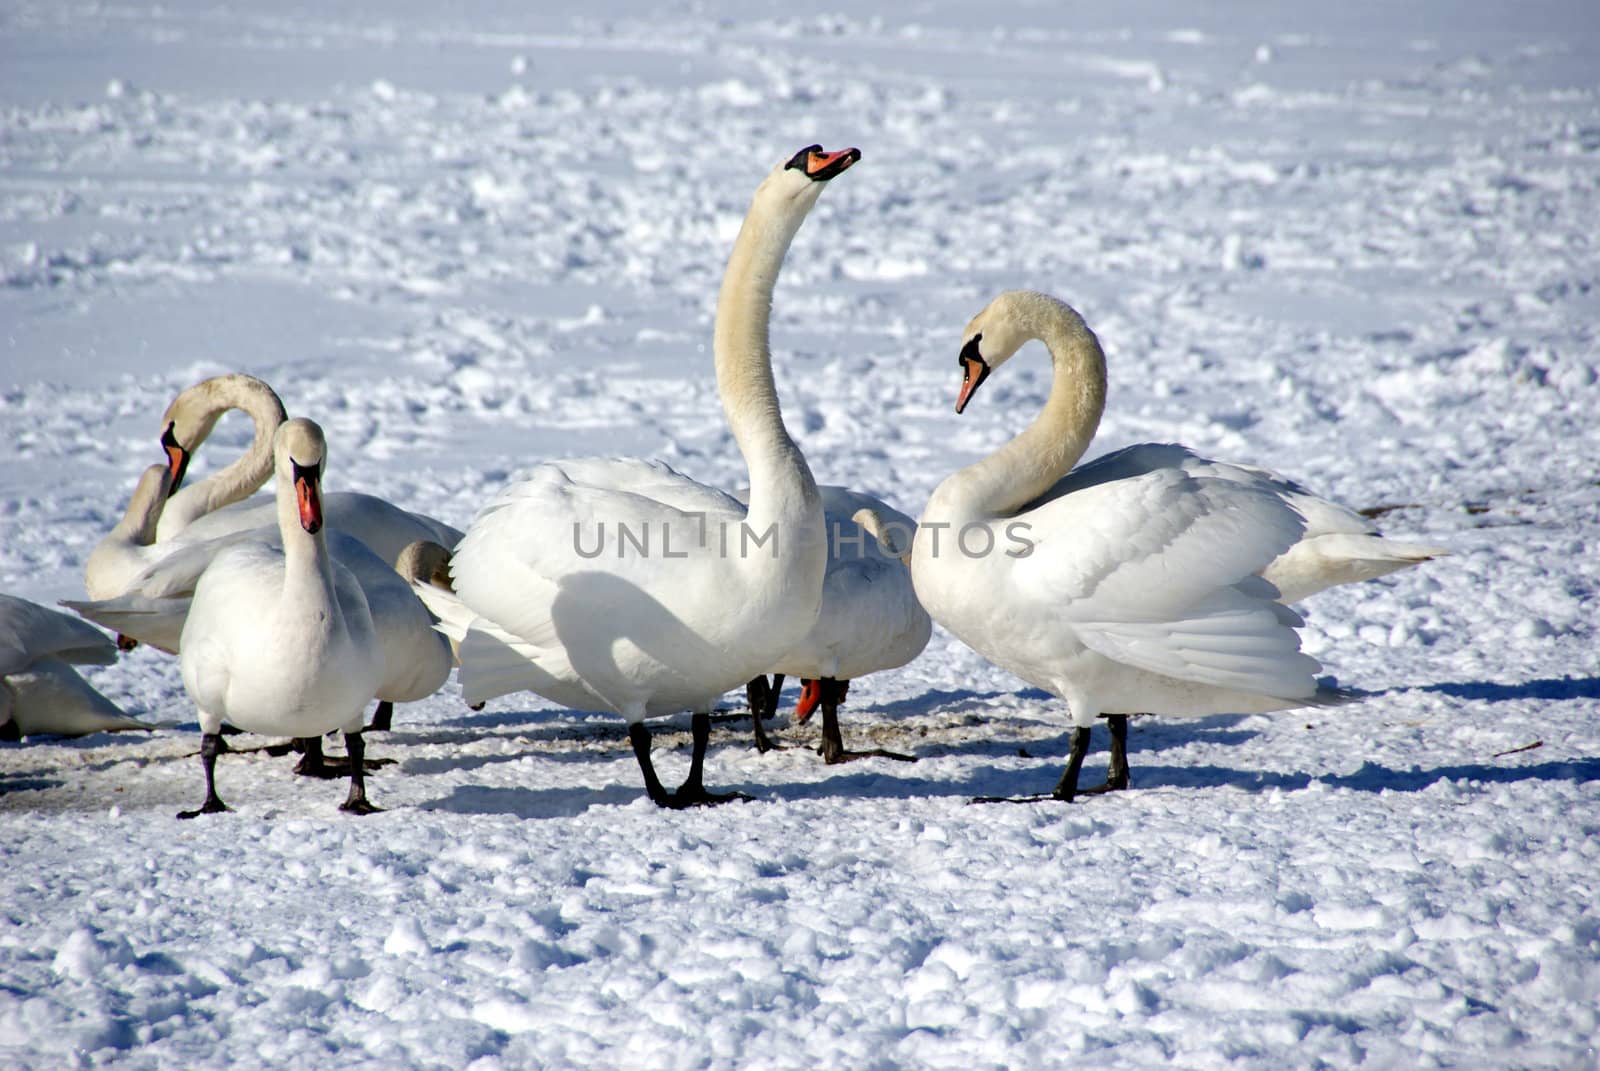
<point>646,635</point>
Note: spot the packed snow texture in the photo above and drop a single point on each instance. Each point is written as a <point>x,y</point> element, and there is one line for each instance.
<point>1356,244</point>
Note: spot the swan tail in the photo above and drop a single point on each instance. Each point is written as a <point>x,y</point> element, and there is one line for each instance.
<point>1343,558</point>
<point>156,622</point>
<point>496,663</point>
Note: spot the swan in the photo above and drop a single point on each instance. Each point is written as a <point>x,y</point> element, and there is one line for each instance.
<point>214,507</point>
<point>279,639</point>
<point>40,692</point>
<point>1134,593</point>
<point>869,621</point>
<point>555,593</point>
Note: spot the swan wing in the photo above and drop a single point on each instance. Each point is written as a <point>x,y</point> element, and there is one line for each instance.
<point>29,632</point>
<point>1157,571</point>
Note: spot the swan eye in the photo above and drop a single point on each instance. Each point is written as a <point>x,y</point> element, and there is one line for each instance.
<point>971,351</point>
<point>802,158</point>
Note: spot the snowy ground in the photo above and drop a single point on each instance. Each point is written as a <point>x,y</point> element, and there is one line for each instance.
<point>1358,246</point>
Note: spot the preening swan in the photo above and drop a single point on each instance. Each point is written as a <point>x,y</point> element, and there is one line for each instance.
<point>40,692</point>
<point>554,592</point>
<point>1134,593</point>
<point>213,507</point>
<point>278,639</point>
<point>869,620</point>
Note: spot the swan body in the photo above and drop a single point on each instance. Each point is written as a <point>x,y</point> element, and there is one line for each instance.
<point>217,506</point>
<point>40,692</point>
<point>1127,594</point>
<point>556,593</point>
<point>278,638</point>
<point>869,620</point>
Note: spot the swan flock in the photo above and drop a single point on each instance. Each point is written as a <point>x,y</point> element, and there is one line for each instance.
<point>1148,581</point>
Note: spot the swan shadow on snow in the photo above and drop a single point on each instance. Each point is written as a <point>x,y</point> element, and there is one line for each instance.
<point>1554,688</point>
<point>1370,777</point>
<point>531,802</point>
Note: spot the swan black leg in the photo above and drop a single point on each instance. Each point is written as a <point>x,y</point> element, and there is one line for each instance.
<point>1117,772</point>
<point>312,763</point>
<point>10,732</point>
<point>692,793</point>
<point>383,717</point>
<point>763,699</point>
<point>833,750</point>
<point>210,747</point>
<point>357,802</point>
<point>1067,787</point>
<point>639,737</point>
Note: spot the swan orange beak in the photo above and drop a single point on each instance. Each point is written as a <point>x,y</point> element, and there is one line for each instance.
<point>810,696</point>
<point>820,166</point>
<point>308,497</point>
<point>177,458</point>
<point>974,370</point>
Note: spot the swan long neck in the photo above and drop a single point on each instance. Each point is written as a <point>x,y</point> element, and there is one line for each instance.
<point>137,527</point>
<point>781,484</point>
<point>1028,465</point>
<point>248,472</point>
<point>308,565</point>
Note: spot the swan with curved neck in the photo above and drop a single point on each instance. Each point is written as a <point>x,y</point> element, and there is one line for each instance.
<point>1129,594</point>
<point>216,506</point>
<point>279,639</point>
<point>189,421</point>
<point>869,621</point>
<point>556,595</point>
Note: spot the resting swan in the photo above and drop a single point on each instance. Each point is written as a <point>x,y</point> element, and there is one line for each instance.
<point>279,639</point>
<point>554,594</point>
<point>1135,593</point>
<point>213,507</point>
<point>40,692</point>
<point>869,621</point>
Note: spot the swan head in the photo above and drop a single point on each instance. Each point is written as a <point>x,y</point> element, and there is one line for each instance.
<point>1006,324</point>
<point>802,177</point>
<point>299,450</point>
<point>194,413</point>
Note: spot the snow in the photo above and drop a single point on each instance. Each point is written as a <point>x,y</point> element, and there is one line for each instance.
<point>1354,243</point>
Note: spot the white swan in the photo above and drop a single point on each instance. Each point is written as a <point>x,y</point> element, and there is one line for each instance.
<point>556,593</point>
<point>213,507</point>
<point>1133,594</point>
<point>278,639</point>
<point>870,619</point>
<point>40,692</point>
